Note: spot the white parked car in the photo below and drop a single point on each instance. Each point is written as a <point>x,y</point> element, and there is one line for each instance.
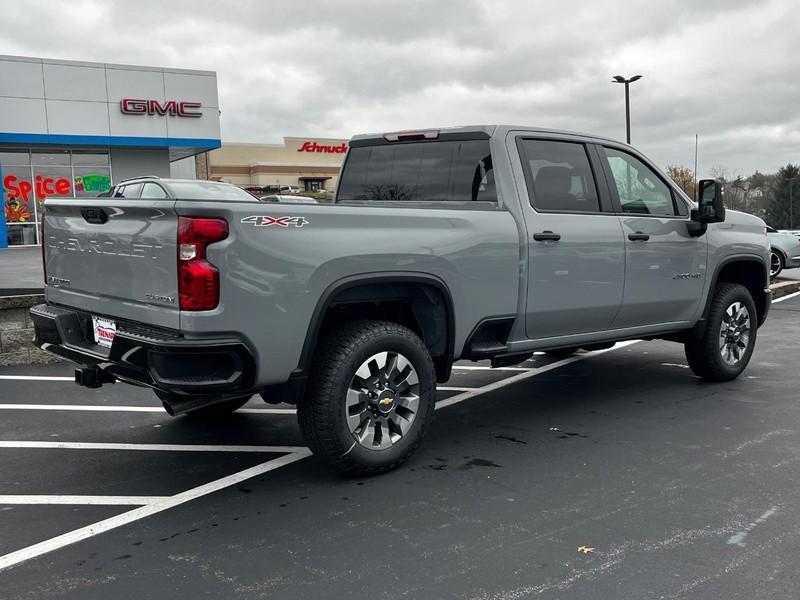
<point>784,252</point>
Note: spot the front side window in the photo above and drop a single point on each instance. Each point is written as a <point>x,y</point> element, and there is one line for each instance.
<point>559,176</point>
<point>441,171</point>
<point>640,190</point>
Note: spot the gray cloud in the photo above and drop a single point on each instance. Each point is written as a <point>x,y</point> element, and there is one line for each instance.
<point>725,69</point>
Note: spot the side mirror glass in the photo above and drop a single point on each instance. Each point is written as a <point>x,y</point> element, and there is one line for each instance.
<point>709,201</point>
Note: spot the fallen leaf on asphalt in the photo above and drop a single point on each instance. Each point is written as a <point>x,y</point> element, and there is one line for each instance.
<point>585,549</point>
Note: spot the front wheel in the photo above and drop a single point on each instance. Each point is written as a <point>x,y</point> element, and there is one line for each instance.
<point>370,398</point>
<point>725,348</point>
<point>776,263</point>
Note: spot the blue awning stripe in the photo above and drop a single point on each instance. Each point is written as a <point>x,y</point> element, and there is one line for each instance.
<point>108,140</point>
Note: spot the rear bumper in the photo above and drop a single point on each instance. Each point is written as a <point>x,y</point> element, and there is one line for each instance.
<point>160,359</point>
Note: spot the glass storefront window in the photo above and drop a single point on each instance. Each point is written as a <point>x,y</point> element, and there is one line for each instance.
<point>52,182</point>
<point>89,159</point>
<point>51,159</point>
<point>14,159</point>
<point>22,235</point>
<point>31,176</point>
<point>19,195</point>
<point>91,181</point>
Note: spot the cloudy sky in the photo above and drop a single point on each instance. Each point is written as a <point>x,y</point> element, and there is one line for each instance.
<point>725,69</point>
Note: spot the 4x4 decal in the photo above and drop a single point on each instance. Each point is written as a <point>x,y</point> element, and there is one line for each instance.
<point>267,221</point>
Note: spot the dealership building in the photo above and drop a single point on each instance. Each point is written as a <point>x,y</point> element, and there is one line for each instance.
<point>72,129</point>
<point>312,164</point>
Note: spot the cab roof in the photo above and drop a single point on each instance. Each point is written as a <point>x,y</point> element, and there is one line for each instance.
<point>471,130</point>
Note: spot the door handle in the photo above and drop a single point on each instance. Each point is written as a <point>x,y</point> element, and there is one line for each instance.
<point>96,216</point>
<point>547,236</point>
<point>638,237</point>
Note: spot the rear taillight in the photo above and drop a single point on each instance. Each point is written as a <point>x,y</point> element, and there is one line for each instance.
<point>198,279</point>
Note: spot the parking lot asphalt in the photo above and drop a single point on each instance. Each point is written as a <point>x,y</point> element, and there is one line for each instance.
<point>609,475</point>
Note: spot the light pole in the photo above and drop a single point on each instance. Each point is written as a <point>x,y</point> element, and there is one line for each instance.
<point>627,82</point>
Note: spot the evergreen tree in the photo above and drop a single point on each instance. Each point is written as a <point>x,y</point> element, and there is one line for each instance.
<point>785,185</point>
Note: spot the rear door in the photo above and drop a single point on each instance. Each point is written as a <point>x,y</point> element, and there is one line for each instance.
<point>666,267</point>
<point>576,255</point>
<point>114,257</point>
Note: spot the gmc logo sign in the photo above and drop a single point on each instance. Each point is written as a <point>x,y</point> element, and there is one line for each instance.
<point>173,108</point>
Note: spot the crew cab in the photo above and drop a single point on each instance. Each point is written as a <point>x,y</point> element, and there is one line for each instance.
<point>482,243</point>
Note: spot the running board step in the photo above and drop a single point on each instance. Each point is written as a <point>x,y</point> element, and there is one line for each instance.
<point>484,350</point>
<point>510,359</point>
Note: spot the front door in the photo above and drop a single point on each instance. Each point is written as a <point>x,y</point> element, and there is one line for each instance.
<point>576,253</point>
<point>665,266</point>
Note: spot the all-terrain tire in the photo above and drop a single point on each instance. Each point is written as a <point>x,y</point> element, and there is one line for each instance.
<point>704,353</point>
<point>322,413</point>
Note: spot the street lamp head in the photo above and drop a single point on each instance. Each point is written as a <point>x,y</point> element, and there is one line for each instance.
<point>621,79</point>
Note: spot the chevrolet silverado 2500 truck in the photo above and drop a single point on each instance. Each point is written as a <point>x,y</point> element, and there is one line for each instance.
<point>483,243</point>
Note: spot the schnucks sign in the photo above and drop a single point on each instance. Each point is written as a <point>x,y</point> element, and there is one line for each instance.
<point>324,148</point>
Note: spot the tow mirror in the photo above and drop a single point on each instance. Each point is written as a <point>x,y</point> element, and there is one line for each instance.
<point>710,208</point>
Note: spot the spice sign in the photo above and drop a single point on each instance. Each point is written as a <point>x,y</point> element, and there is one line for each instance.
<point>3,230</point>
<point>23,190</point>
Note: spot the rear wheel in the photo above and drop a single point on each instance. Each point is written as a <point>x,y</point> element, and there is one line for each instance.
<point>725,348</point>
<point>370,398</point>
<point>776,263</point>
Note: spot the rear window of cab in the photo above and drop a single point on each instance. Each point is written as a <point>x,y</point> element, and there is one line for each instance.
<point>441,171</point>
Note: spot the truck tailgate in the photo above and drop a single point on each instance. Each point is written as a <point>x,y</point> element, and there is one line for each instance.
<point>113,257</point>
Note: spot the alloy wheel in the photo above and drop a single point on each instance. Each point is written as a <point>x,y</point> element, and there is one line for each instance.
<point>382,400</point>
<point>734,333</point>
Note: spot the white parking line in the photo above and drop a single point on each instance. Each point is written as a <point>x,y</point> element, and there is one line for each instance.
<point>486,368</point>
<point>35,378</point>
<point>297,454</point>
<point>83,500</point>
<point>148,447</point>
<point>14,558</point>
<point>787,297</point>
<point>526,374</point>
<point>121,408</point>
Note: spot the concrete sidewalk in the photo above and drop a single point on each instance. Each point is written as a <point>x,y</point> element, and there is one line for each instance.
<point>21,271</point>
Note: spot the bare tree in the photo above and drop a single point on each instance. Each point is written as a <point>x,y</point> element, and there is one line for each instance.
<point>683,177</point>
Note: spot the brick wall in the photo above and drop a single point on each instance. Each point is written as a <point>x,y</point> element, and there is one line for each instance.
<point>16,332</point>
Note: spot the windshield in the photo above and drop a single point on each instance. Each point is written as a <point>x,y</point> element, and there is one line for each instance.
<point>202,190</point>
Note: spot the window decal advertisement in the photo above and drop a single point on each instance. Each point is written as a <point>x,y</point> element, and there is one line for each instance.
<point>3,232</point>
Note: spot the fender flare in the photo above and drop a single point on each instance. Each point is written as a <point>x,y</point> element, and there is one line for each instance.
<point>723,263</point>
<point>326,301</point>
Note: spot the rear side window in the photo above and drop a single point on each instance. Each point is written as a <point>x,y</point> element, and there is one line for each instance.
<point>128,191</point>
<point>154,191</point>
<point>446,171</point>
<point>559,176</point>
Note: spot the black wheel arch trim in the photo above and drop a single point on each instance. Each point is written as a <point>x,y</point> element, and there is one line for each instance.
<point>723,263</point>
<point>326,301</point>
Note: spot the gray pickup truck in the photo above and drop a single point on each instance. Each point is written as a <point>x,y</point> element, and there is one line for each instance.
<point>482,243</point>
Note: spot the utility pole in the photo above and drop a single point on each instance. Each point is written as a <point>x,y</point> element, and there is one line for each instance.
<point>627,82</point>
<point>695,163</point>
